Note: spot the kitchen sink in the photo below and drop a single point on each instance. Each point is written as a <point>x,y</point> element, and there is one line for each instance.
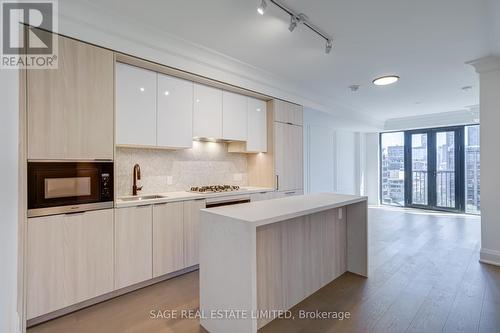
<point>144,197</point>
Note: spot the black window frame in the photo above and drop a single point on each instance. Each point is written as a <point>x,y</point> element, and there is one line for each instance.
<point>460,182</point>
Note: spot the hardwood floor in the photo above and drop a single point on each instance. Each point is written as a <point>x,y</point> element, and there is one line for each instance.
<point>424,277</point>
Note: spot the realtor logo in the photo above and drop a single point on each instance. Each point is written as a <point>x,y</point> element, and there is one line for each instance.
<point>37,48</point>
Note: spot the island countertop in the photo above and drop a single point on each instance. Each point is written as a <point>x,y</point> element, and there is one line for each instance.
<point>270,211</point>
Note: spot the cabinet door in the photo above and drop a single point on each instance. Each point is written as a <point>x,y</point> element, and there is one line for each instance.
<point>175,112</point>
<point>286,112</point>
<point>257,126</point>
<point>234,116</point>
<point>133,245</point>
<point>207,115</point>
<point>70,109</point>
<point>168,238</point>
<point>70,260</point>
<point>135,106</point>
<point>261,196</point>
<point>288,156</point>
<point>284,194</point>
<point>191,231</point>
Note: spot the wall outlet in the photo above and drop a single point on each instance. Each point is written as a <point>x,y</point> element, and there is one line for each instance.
<point>170,180</point>
<point>238,177</point>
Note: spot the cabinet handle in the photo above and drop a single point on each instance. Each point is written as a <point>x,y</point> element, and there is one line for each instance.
<point>277,182</point>
<point>74,213</point>
<point>199,199</point>
<point>288,193</point>
<point>142,206</point>
<point>262,192</point>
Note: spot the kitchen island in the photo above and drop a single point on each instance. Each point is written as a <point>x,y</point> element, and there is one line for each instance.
<point>261,258</point>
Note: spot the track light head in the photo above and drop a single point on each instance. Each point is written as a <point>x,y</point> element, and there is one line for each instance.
<point>329,45</point>
<point>262,8</point>
<point>296,20</point>
<point>293,23</point>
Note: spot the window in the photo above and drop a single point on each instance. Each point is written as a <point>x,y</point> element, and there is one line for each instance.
<point>433,168</point>
<point>472,170</point>
<point>393,168</point>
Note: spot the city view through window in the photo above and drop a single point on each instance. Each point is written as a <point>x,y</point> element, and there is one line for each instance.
<point>393,168</point>
<point>472,170</point>
<point>432,185</point>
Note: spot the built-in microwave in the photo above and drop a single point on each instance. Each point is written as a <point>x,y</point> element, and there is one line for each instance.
<point>66,187</point>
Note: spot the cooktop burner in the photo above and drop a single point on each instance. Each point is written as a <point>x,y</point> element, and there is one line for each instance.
<point>214,188</point>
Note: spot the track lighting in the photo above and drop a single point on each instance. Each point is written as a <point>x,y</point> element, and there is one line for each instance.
<point>296,19</point>
<point>329,45</point>
<point>262,8</point>
<point>293,23</point>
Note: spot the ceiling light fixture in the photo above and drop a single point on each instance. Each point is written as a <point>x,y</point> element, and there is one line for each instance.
<point>386,80</point>
<point>296,19</point>
<point>262,8</point>
<point>329,45</point>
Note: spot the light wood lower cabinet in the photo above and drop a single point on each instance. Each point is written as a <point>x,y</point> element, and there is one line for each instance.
<point>133,245</point>
<point>262,196</point>
<point>284,194</point>
<point>191,231</point>
<point>69,260</point>
<point>168,238</point>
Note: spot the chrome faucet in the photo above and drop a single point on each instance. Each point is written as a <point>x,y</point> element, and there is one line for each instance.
<point>137,176</point>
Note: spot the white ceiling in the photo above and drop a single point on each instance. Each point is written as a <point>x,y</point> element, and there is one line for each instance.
<point>426,42</point>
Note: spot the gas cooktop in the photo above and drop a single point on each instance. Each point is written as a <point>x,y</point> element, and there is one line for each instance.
<point>214,188</point>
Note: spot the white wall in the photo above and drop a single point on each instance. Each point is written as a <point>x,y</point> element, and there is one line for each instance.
<point>9,130</point>
<point>337,159</point>
<point>347,160</point>
<point>489,69</point>
<point>372,172</point>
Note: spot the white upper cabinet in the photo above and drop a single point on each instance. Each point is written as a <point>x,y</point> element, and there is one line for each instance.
<point>257,126</point>
<point>234,116</point>
<point>207,115</point>
<point>135,106</point>
<point>175,112</point>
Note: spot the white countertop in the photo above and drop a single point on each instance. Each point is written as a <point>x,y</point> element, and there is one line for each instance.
<point>275,210</point>
<point>185,195</point>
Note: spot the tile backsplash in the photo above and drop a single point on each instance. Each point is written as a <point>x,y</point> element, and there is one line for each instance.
<point>177,170</point>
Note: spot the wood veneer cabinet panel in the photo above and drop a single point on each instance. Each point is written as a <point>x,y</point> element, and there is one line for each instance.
<point>70,109</point>
<point>286,112</point>
<point>168,238</point>
<point>297,257</point>
<point>192,231</point>
<point>70,259</point>
<point>288,154</point>
<point>133,245</point>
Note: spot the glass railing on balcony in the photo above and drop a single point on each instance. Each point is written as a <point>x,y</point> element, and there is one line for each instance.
<point>419,188</point>
<point>445,188</point>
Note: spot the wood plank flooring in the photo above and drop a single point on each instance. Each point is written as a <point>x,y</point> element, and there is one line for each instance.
<point>424,277</point>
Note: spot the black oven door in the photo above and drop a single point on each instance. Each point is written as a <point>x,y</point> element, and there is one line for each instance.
<point>61,187</point>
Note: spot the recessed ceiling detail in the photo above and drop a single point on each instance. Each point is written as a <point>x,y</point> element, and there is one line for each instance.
<point>298,19</point>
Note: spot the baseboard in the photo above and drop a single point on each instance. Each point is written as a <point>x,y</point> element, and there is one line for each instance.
<point>108,296</point>
<point>491,257</point>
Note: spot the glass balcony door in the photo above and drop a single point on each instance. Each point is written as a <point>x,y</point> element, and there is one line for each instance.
<point>419,169</point>
<point>434,169</point>
<point>446,173</point>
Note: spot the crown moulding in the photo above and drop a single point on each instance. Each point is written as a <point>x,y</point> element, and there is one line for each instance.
<point>486,64</point>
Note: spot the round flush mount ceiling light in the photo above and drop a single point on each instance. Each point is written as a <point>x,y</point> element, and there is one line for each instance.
<point>386,80</point>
